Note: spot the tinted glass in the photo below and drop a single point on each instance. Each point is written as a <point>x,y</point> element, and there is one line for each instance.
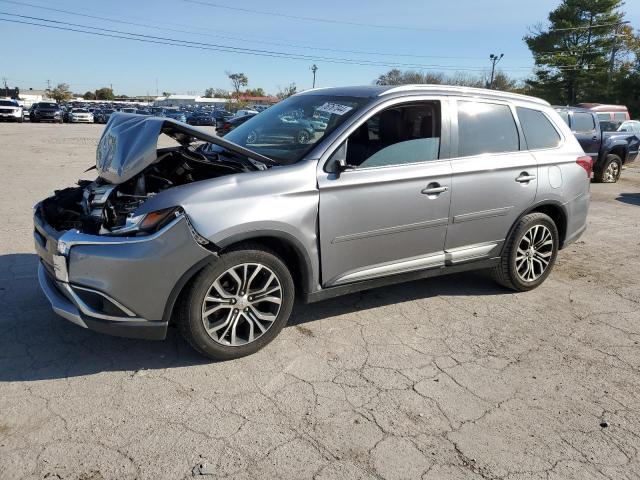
<point>583,122</point>
<point>486,128</point>
<point>287,131</point>
<point>398,135</point>
<point>538,130</point>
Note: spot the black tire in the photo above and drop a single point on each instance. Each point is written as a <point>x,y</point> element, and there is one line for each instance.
<point>610,170</point>
<point>303,137</point>
<point>190,321</point>
<point>21,120</point>
<point>506,273</point>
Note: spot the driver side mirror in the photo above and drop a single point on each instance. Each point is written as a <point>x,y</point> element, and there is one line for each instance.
<point>338,161</point>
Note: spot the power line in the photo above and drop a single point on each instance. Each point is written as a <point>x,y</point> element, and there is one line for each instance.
<point>315,19</point>
<point>215,47</point>
<point>586,27</point>
<point>230,37</point>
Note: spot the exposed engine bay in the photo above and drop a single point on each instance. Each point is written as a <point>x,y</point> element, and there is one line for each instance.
<point>131,169</point>
<point>102,208</point>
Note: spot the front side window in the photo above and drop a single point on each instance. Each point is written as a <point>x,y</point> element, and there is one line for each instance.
<point>288,130</point>
<point>538,130</point>
<point>396,136</point>
<point>485,128</point>
<point>583,122</point>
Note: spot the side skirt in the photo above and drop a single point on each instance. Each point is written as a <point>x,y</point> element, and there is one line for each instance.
<point>338,290</point>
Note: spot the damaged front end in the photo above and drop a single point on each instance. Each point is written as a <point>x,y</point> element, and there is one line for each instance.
<point>104,265</point>
<point>132,169</point>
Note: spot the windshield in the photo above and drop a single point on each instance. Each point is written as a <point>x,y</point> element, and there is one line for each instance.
<point>8,103</point>
<point>48,105</point>
<point>291,128</point>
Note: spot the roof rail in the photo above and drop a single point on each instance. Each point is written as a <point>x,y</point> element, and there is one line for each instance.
<point>463,91</point>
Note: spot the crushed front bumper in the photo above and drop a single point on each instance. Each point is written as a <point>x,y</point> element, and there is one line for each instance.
<point>122,286</point>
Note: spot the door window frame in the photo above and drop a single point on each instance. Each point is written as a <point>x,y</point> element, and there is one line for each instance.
<point>445,132</point>
<point>550,120</point>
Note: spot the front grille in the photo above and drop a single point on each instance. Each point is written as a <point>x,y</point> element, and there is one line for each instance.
<point>6,110</point>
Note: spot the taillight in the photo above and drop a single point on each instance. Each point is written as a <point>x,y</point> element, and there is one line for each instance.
<point>586,162</point>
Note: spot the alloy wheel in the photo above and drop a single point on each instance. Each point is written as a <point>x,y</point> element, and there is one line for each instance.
<point>242,304</point>
<point>611,173</point>
<point>534,253</point>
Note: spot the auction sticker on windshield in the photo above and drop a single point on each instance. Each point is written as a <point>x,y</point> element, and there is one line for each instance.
<point>335,108</point>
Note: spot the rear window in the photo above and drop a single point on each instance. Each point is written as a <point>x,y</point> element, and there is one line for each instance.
<point>485,128</point>
<point>539,132</point>
<point>583,122</point>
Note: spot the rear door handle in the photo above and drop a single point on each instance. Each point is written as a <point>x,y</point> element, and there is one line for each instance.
<point>434,189</point>
<point>524,177</point>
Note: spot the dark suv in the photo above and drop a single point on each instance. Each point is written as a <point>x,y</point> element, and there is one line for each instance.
<point>46,112</point>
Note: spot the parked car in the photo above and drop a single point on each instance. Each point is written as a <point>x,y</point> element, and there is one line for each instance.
<point>244,112</point>
<point>284,129</point>
<point>219,236</point>
<point>232,123</point>
<point>175,115</point>
<point>104,115</point>
<point>46,112</point>
<point>609,150</point>
<point>612,113</point>
<point>631,126</point>
<point>202,118</point>
<point>80,115</point>
<point>11,110</point>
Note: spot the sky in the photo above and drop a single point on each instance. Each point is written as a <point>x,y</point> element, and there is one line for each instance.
<point>352,42</point>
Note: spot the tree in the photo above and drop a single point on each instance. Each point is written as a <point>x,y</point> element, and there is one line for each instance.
<point>216,93</point>
<point>238,80</point>
<point>287,91</point>
<point>89,96</point>
<point>61,92</point>
<point>255,92</point>
<point>397,77</point>
<point>572,54</point>
<point>104,93</point>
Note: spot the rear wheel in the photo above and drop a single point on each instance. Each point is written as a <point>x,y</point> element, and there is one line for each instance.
<point>237,305</point>
<point>610,171</point>
<point>529,254</point>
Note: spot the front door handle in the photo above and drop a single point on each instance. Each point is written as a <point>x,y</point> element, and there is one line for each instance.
<point>434,189</point>
<point>524,177</point>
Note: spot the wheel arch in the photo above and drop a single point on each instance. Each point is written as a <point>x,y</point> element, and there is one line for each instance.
<point>620,150</point>
<point>288,247</point>
<point>554,210</point>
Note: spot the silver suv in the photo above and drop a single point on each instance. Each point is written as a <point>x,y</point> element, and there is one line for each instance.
<point>329,192</point>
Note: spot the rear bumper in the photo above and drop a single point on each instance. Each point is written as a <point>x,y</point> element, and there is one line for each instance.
<point>576,211</point>
<point>69,307</point>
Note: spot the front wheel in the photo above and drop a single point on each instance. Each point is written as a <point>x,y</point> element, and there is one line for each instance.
<point>610,171</point>
<point>303,137</point>
<point>529,254</point>
<point>237,305</point>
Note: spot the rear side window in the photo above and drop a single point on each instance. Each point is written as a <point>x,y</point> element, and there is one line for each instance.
<point>583,122</point>
<point>538,130</point>
<point>604,116</point>
<point>621,116</point>
<point>485,128</point>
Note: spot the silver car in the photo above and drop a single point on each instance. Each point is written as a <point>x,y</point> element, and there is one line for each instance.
<point>219,235</point>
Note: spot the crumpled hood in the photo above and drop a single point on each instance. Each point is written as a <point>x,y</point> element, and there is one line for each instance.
<point>129,144</point>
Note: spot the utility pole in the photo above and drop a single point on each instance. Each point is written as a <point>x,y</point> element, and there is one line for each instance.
<point>314,69</point>
<point>494,59</point>
<point>48,84</point>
